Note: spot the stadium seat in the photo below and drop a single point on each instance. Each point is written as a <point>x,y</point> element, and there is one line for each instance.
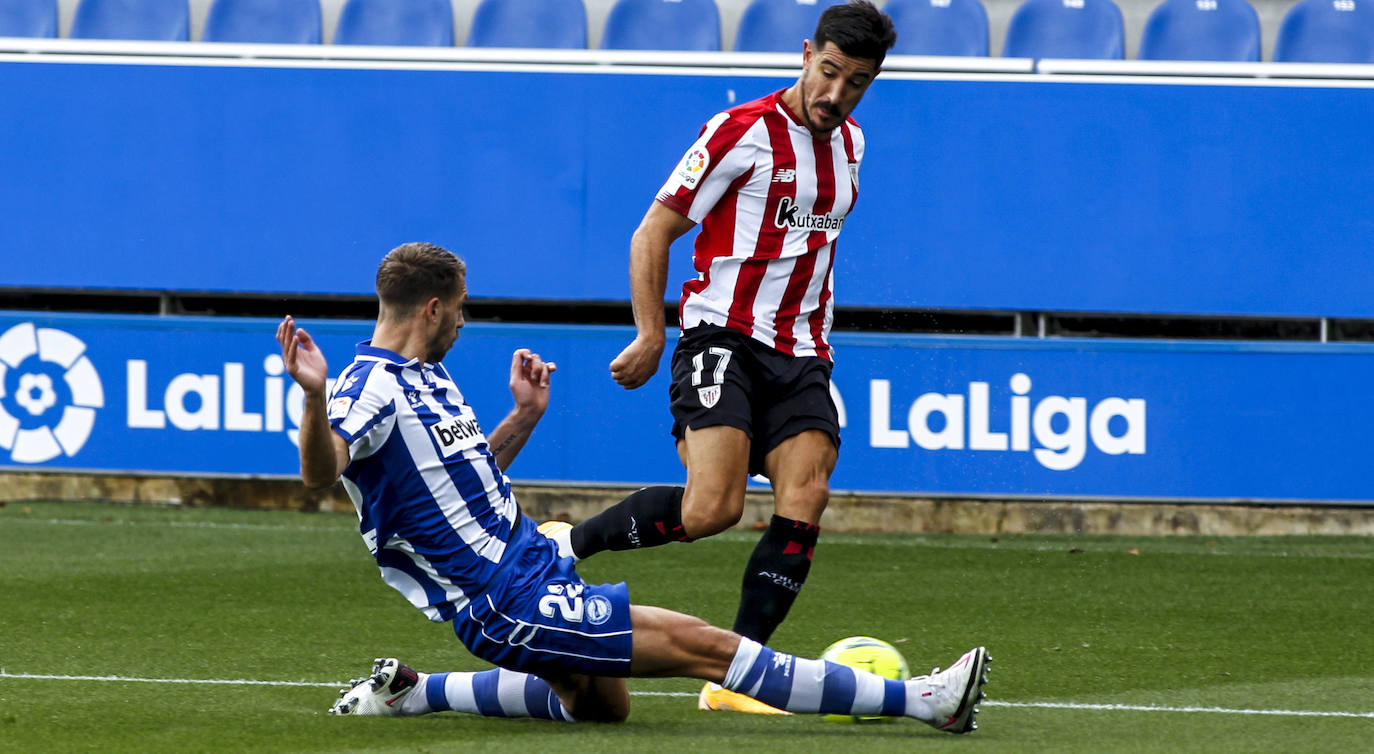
<point>1086,29</point>
<point>549,24</point>
<point>778,25</point>
<point>1201,30</point>
<point>1327,31</point>
<point>166,20</point>
<point>427,23</point>
<point>662,25</point>
<point>280,21</point>
<point>939,27</point>
<point>28,18</point>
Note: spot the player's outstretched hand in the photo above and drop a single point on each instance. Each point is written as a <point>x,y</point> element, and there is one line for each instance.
<point>304,360</point>
<point>637,363</point>
<point>529,380</point>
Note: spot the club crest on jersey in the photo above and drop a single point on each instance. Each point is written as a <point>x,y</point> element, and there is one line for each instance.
<point>693,166</point>
<point>854,174</point>
<point>598,609</point>
<point>789,216</point>
<point>709,395</point>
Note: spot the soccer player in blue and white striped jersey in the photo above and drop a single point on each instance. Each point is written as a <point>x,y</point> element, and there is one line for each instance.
<point>437,512</point>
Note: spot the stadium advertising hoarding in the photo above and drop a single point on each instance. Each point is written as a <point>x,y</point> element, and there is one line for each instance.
<point>995,417</point>
<point>978,191</point>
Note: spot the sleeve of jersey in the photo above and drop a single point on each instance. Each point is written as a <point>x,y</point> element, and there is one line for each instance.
<point>360,410</point>
<point>857,135</point>
<point>701,178</point>
<point>855,145</point>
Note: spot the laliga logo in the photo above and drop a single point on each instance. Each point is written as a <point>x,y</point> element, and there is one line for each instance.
<point>49,392</point>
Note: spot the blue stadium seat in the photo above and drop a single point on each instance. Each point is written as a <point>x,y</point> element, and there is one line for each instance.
<point>1086,29</point>
<point>279,21</point>
<point>939,27</point>
<point>1202,30</point>
<point>427,23</point>
<point>166,20</point>
<point>662,25</point>
<point>1327,31</point>
<point>549,24</point>
<point>779,25</point>
<point>28,18</point>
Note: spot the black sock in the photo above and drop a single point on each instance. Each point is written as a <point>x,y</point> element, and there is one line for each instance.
<point>774,576</point>
<point>649,517</point>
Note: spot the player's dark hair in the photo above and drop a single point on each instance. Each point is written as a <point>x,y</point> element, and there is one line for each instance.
<point>858,28</point>
<point>414,273</point>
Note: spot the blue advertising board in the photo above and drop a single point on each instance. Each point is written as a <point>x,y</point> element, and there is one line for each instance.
<point>992,417</point>
<point>1031,193</point>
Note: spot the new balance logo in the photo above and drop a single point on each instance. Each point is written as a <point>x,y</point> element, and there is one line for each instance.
<point>785,175</point>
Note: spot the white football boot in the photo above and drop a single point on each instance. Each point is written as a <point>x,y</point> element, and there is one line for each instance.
<point>561,533</point>
<point>951,697</point>
<point>382,693</point>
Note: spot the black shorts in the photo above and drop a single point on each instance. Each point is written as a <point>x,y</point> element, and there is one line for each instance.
<point>722,377</point>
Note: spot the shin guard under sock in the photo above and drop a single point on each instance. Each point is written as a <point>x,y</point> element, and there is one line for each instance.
<point>649,517</point>
<point>774,576</point>
<point>491,693</point>
<point>797,684</point>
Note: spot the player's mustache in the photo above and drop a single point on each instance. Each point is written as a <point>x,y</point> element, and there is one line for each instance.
<point>830,107</point>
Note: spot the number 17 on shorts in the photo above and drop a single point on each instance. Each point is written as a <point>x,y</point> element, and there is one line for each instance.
<point>709,394</point>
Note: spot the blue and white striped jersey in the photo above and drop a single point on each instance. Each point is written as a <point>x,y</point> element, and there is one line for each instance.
<point>434,508</point>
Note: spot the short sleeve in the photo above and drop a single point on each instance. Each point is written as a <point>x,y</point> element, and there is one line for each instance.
<point>708,168</point>
<point>360,410</point>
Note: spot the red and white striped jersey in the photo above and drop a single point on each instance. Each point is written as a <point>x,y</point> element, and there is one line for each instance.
<point>771,199</point>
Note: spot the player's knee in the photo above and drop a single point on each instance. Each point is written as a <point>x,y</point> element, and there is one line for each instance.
<point>598,700</point>
<point>710,518</point>
<point>710,507</point>
<point>602,713</point>
<point>805,502</point>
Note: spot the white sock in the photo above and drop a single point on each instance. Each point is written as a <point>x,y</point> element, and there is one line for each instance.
<point>492,693</point>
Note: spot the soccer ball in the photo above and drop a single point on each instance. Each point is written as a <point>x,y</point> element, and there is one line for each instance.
<point>873,655</point>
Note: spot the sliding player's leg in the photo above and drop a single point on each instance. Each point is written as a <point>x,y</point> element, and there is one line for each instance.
<point>668,644</point>
<point>395,689</point>
<point>673,644</point>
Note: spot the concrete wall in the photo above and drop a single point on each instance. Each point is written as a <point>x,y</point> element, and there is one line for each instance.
<point>847,512</point>
<point>1135,12</point>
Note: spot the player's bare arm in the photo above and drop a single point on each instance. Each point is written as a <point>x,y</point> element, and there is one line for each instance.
<point>529,385</point>
<point>649,246</point>
<point>323,453</point>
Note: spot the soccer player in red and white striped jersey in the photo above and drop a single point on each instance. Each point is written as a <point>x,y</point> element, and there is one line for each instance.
<point>771,197</point>
<point>771,182</point>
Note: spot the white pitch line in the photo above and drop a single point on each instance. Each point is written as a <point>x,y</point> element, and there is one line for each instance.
<point>128,679</point>
<point>1006,543</point>
<point>683,694</point>
<point>1154,708</point>
<point>176,524</point>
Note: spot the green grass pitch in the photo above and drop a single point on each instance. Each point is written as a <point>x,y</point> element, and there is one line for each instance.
<point>1100,644</point>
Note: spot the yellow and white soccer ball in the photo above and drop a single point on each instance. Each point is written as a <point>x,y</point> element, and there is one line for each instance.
<point>873,655</point>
